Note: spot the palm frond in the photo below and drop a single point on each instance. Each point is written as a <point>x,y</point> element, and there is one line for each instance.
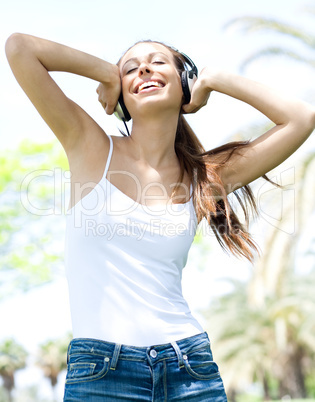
<point>277,51</point>
<point>251,24</point>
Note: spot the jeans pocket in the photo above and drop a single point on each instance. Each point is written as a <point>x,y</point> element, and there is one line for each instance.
<point>200,365</point>
<point>80,370</point>
<point>87,371</point>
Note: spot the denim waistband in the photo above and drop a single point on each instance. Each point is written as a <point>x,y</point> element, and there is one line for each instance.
<point>155,353</point>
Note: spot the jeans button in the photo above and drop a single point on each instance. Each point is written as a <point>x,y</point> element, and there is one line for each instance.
<point>153,353</point>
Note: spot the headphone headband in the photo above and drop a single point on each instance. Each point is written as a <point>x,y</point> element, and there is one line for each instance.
<point>194,69</point>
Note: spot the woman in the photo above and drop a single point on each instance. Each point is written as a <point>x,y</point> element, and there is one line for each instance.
<point>135,204</point>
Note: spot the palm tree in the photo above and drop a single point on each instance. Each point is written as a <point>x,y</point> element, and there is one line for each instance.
<point>280,248</point>
<point>242,338</point>
<point>273,340</point>
<point>12,358</point>
<point>52,359</point>
<point>266,328</point>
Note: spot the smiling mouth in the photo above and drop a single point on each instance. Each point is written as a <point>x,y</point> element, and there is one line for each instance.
<point>149,84</point>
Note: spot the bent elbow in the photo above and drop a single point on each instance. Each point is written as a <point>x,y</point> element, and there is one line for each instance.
<point>14,44</point>
<point>306,121</point>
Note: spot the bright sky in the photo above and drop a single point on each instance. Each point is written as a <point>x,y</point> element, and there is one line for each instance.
<point>107,28</point>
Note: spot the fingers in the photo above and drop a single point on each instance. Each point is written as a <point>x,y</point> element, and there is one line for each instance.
<point>195,104</point>
<point>108,97</point>
<point>191,107</point>
<point>110,108</point>
<point>199,95</point>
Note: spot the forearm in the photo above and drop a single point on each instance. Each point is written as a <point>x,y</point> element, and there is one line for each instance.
<point>56,57</point>
<point>280,109</point>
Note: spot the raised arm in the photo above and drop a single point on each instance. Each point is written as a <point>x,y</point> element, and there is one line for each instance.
<point>294,122</point>
<point>32,58</point>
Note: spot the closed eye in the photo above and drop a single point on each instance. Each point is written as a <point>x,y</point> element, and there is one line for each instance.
<point>131,70</point>
<point>135,68</point>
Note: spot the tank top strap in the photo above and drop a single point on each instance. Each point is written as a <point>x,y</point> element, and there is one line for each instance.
<point>109,157</point>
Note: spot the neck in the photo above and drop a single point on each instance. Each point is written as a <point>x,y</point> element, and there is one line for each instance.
<point>152,140</point>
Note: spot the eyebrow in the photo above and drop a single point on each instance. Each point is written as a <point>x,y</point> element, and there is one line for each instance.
<point>150,55</point>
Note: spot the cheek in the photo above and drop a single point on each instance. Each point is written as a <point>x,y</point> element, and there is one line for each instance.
<point>128,97</point>
<point>178,91</point>
<point>124,84</point>
<point>178,82</point>
<point>125,88</point>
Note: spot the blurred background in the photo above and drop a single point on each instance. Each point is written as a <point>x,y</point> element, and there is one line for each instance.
<point>260,317</point>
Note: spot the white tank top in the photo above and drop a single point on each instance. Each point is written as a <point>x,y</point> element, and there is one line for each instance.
<point>124,266</point>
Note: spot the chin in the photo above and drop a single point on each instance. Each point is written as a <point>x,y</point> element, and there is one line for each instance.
<point>154,107</point>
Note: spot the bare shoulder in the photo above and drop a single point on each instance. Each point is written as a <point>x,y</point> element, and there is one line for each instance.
<point>90,154</point>
<point>87,162</point>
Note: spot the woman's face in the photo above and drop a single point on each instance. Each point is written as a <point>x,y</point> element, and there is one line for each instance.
<point>150,80</point>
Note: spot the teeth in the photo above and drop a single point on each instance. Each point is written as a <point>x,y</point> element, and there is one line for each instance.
<point>149,84</point>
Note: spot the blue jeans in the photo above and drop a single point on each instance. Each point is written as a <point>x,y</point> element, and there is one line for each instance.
<point>178,371</point>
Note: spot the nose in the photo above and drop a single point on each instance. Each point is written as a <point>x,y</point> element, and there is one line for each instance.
<point>144,69</point>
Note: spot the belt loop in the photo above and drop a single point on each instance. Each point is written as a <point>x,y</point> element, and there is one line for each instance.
<point>179,354</point>
<point>115,356</point>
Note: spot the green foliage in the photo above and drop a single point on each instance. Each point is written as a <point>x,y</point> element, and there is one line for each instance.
<point>52,357</point>
<point>12,356</point>
<point>31,207</point>
<point>310,384</point>
<point>267,338</point>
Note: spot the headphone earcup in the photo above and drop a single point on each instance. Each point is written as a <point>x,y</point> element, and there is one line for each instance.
<point>185,86</point>
<point>121,111</point>
<point>188,78</point>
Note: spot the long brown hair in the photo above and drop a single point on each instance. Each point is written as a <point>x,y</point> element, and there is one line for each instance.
<point>209,195</point>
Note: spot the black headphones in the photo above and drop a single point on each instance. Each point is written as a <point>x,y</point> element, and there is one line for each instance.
<point>188,78</point>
